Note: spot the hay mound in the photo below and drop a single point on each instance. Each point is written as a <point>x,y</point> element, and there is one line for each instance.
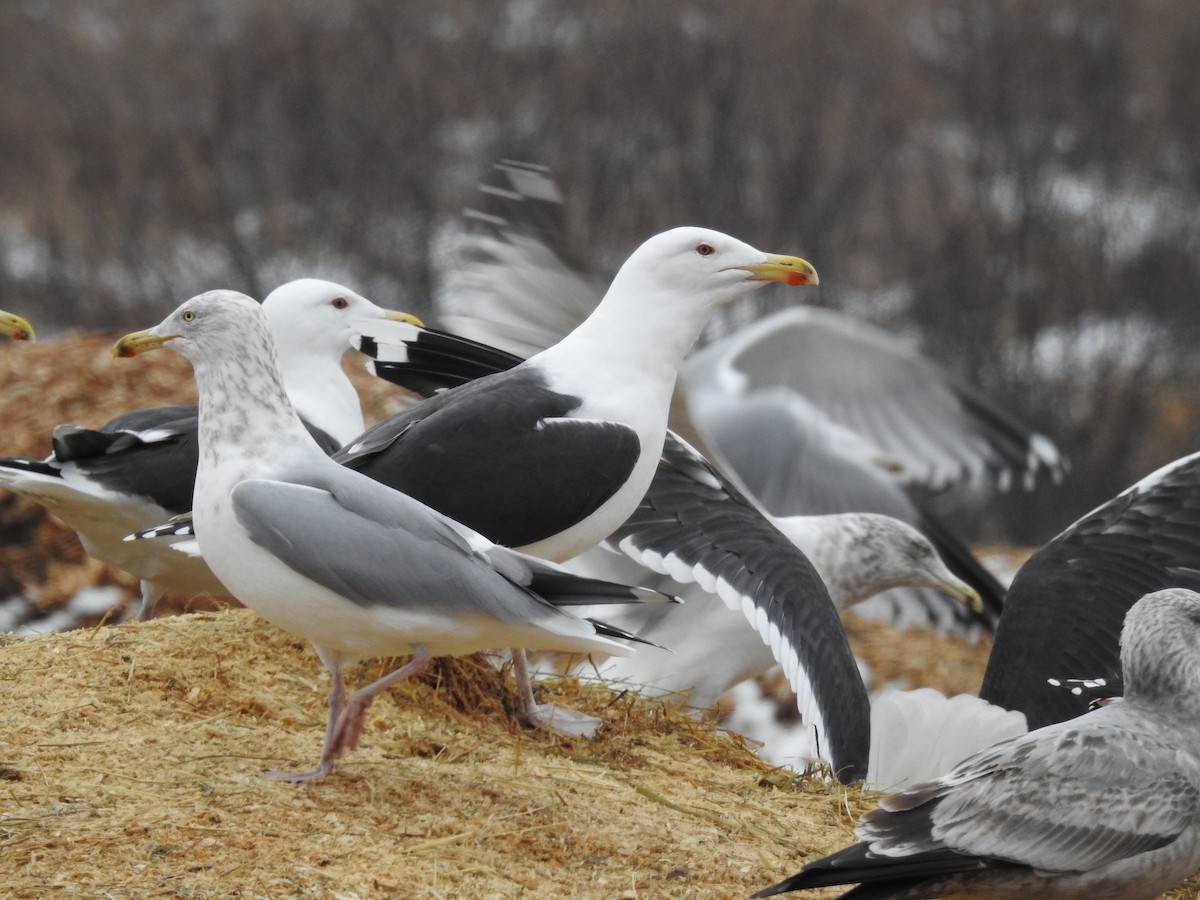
<point>132,761</point>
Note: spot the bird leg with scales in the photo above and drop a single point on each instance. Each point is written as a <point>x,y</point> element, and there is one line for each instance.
<point>547,716</point>
<point>347,717</point>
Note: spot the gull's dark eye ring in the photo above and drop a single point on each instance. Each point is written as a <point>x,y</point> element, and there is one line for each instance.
<point>188,315</point>
<point>340,303</point>
<point>705,249</point>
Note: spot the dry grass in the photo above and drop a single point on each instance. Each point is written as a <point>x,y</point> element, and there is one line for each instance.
<point>132,767</point>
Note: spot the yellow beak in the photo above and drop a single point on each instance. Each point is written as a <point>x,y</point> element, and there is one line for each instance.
<point>16,327</point>
<point>789,269</point>
<point>140,342</point>
<point>403,317</point>
<point>964,593</point>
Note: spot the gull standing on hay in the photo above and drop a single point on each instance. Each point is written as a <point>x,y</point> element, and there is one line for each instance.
<point>484,454</point>
<point>328,554</point>
<point>554,454</point>
<point>1103,806</point>
<point>695,525</point>
<point>140,468</point>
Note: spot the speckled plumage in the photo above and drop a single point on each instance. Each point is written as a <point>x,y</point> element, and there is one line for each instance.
<point>139,468</point>
<point>332,556</point>
<point>1103,806</point>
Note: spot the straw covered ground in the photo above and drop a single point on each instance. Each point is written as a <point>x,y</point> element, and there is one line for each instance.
<point>131,756</point>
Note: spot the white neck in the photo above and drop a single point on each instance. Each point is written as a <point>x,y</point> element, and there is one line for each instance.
<point>323,395</point>
<point>632,344</point>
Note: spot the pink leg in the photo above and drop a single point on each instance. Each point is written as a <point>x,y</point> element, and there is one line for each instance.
<point>349,727</point>
<point>345,725</point>
<point>337,699</point>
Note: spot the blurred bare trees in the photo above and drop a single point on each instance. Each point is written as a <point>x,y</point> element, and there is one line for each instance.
<point>1016,183</point>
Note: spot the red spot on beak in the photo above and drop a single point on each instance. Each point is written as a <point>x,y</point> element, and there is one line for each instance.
<point>795,279</point>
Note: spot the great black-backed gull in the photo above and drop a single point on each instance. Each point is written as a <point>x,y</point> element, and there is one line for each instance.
<point>330,555</point>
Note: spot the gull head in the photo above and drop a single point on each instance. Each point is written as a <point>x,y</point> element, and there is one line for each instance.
<point>1160,648</point>
<point>919,565</point>
<point>15,327</point>
<point>707,267</point>
<point>320,315</point>
<point>214,324</point>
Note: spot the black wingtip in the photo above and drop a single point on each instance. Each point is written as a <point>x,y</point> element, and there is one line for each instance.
<point>612,631</point>
<point>30,465</point>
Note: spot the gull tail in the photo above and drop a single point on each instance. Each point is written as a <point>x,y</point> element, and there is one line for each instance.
<point>920,735</point>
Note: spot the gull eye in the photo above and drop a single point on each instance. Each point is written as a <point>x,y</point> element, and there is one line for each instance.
<point>340,303</point>
<point>705,249</point>
<point>188,316</point>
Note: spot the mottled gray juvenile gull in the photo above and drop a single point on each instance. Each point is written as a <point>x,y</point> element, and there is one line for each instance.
<point>326,553</point>
<point>1104,807</point>
<point>857,556</point>
<point>139,468</point>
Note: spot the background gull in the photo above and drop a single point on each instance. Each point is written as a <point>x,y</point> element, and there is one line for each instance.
<point>328,554</point>
<point>140,468</point>
<point>1104,806</point>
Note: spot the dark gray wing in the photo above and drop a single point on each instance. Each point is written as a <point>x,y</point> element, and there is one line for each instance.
<point>696,526</point>
<point>425,360</point>
<point>501,455</point>
<point>147,453</point>
<point>1064,610</point>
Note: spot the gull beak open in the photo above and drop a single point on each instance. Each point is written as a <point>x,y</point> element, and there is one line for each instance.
<point>15,327</point>
<point>140,342</point>
<point>789,269</point>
